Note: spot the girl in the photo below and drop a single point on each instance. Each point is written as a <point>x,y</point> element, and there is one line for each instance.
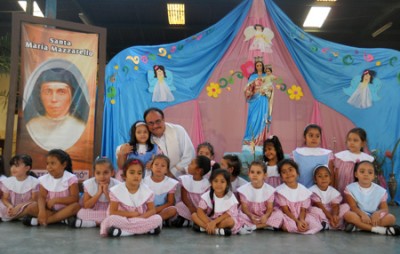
<point>19,190</point>
<point>96,196</point>
<point>193,186</point>
<point>233,165</point>
<point>139,147</point>
<point>367,200</point>
<point>131,209</point>
<point>294,200</point>
<point>344,161</point>
<point>163,187</point>
<point>273,154</point>
<point>206,149</point>
<point>217,212</point>
<point>257,200</point>
<point>311,155</point>
<point>327,199</point>
<point>58,192</point>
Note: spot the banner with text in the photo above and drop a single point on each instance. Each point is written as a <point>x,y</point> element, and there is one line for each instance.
<point>58,92</point>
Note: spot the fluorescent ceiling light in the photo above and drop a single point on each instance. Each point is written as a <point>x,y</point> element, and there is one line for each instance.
<point>36,10</point>
<point>316,17</point>
<point>176,14</point>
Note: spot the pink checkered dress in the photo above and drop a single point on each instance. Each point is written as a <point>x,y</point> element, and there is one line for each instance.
<point>328,198</point>
<point>20,192</point>
<point>194,190</point>
<point>295,199</point>
<point>98,212</point>
<point>131,202</point>
<point>58,188</point>
<point>227,204</point>
<point>257,201</point>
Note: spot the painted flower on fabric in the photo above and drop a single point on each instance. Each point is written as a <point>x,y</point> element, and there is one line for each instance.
<point>295,92</point>
<point>213,90</point>
<point>247,68</point>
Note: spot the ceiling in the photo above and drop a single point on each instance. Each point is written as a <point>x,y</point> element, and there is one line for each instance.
<point>145,22</point>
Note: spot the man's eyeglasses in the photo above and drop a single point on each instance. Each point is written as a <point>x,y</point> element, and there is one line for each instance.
<point>156,122</point>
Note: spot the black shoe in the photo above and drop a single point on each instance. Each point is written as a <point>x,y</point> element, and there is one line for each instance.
<point>393,230</point>
<point>71,222</point>
<point>325,226</point>
<point>27,220</point>
<point>110,231</point>
<point>167,223</point>
<point>155,231</point>
<point>225,231</point>
<point>349,227</point>
<point>178,222</point>
<point>196,227</point>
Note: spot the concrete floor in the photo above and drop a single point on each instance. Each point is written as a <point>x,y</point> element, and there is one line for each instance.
<point>16,238</point>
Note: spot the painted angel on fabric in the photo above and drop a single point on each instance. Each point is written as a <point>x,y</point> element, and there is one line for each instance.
<point>363,90</point>
<point>262,38</point>
<point>160,84</point>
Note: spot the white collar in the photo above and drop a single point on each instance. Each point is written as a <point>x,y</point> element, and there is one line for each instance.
<point>56,185</point>
<point>257,195</point>
<point>92,187</point>
<point>162,187</point>
<point>220,204</point>
<point>325,196</point>
<point>134,200</point>
<point>20,187</point>
<point>312,151</point>
<point>301,193</point>
<point>193,186</point>
<point>353,157</point>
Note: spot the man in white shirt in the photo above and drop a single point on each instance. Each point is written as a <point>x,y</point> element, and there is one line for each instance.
<point>172,139</point>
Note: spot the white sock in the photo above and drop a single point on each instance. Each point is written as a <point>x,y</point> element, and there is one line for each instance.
<point>187,223</point>
<point>379,230</point>
<point>85,223</point>
<point>219,231</point>
<point>202,229</point>
<point>245,231</point>
<point>34,222</point>
<point>252,227</point>
<point>123,233</point>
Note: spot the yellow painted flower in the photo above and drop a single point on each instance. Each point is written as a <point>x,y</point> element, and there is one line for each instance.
<point>169,56</point>
<point>295,92</point>
<point>136,68</point>
<point>213,90</point>
<point>116,67</point>
<point>112,101</point>
<point>378,63</point>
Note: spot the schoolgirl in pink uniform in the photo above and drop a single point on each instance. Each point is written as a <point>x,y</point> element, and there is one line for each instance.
<point>327,199</point>
<point>294,199</point>
<point>273,154</point>
<point>164,188</point>
<point>19,190</point>
<point>217,213</point>
<point>58,192</point>
<point>345,160</point>
<point>96,197</point>
<point>131,209</point>
<point>257,201</point>
<point>193,186</point>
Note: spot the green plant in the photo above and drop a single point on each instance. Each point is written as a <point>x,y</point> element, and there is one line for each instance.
<point>5,54</point>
